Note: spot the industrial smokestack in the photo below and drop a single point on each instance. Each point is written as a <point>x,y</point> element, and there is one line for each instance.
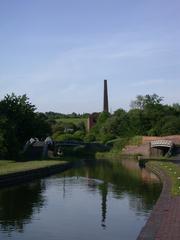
<point>106,107</point>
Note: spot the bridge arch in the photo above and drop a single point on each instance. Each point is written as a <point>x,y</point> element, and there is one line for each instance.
<point>161,147</point>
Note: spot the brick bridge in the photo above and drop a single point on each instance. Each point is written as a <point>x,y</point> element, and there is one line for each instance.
<point>162,147</point>
<point>155,146</point>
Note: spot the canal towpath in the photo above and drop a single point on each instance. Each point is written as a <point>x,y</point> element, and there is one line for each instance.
<point>164,221</point>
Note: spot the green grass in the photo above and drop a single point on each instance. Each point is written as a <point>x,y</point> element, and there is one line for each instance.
<point>7,167</point>
<point>117,145</point>
<point>136,140</point>
<point>173,171</point>
<point>72,120</point>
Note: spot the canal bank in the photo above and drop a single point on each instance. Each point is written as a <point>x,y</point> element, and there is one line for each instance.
<point>25,173</point>
<point>164,221</point>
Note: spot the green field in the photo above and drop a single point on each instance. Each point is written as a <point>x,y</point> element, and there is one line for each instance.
<point>72,120</point>
<point>75,121</point>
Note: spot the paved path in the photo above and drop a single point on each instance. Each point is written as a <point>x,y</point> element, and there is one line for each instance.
<point>164,221</point>
<point>170,225</point>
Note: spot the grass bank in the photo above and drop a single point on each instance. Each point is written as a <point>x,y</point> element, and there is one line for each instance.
<point>173,171</point>
<point>8,167</point>
<point>116,146</point>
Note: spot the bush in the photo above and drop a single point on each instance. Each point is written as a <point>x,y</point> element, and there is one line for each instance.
<point>118,144</point>
<point>136,140</point>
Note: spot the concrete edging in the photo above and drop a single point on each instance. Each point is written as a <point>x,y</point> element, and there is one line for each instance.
<point>30,175</point>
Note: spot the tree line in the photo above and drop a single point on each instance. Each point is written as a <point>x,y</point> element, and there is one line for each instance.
<point>147,116</point>
<point>19,121</point>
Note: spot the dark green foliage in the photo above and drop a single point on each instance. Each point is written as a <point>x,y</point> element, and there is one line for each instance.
<point>154,118</point>
<point>68,130</point>
<point>136,118</point>
<point>79,135</point>
<point>142,101</point>
<point>3,149</point>
<point>55,115</point>
<point>100,130</point>
<point>170,125</point>
<point>118,144</point>
<point>18,123</point>
<point>118,124</point>
<point>90,137</point>
<point>147,117</point>
<point>64,127</point>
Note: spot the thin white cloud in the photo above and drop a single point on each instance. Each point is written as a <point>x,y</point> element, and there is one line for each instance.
<point>77,63</point>
<point>72,78</point>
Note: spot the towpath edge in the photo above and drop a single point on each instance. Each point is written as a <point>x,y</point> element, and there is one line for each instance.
<point>164,221</point>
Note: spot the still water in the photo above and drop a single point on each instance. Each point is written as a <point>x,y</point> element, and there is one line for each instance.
<point>107,200</point>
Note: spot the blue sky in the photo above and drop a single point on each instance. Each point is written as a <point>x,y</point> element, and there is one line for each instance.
<point>59,52</point>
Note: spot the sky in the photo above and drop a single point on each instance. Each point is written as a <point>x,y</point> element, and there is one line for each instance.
<point>59,52</point>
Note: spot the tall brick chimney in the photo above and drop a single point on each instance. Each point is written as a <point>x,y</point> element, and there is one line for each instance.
<point>106,107</point>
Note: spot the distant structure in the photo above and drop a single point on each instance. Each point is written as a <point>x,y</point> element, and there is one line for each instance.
<point>92,119</point>
<point>106,104</point>
<point>36,149</point>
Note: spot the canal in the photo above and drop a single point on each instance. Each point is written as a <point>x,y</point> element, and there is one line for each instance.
<point>106,200</point>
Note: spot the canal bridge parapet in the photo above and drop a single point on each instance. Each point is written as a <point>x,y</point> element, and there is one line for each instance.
<point>154,146</point>
<point>161,143</point>
<point>161,147</point>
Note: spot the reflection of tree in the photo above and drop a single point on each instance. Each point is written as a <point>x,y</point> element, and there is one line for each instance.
<point>17,205</point>
<point>123,179</point>
<point>104,192</point>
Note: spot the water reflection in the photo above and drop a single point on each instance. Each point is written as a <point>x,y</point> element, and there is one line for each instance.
<point>17,205</point>
<point>104,192</point>
<point>120,178</point>
<point>145,175</point>
<point>102,198</point>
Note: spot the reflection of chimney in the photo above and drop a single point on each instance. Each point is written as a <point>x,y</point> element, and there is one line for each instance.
<point>106,107</point>
<point>104,193</point>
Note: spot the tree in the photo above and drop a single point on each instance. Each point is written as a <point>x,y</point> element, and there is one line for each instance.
<point>142,101</point>
<point>98,130</point>
<point>21,123</point>
<point>118,124</point>
<point>170,126</point>
<point>138,122</point>
<point>3,149</point>
<point>176,108</point>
